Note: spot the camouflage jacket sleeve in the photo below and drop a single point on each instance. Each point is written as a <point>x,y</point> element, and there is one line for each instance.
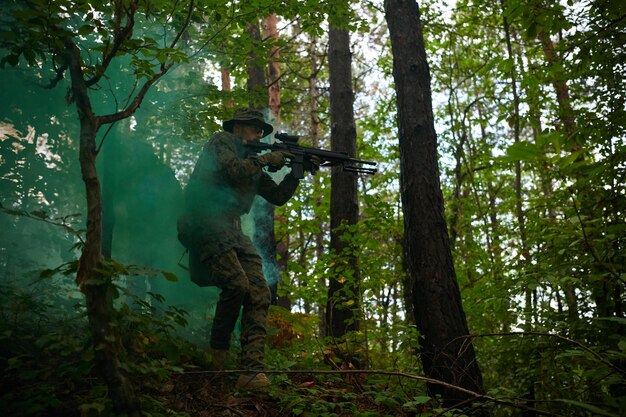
<point>277,194</point>
<point>231,160</point>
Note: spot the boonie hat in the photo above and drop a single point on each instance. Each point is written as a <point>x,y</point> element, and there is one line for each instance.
<point>248,117</point>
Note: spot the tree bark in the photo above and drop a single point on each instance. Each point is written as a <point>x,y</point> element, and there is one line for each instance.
<point>524,253</point>
<point>256,75</point>
<point>519,212</point>
<point>108,206</point>
<point>342,308</point>
<point>271,33</point>
<point>446,352</point>
<point>568,125</point>
<point>281,252</point>
<point>263,213</point>
<point>97,287</point>
<point>566,113</point>
<point>226,85</point>
<point>314,134</point>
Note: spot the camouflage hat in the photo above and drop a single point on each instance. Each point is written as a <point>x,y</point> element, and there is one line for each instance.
<point>248,117</point>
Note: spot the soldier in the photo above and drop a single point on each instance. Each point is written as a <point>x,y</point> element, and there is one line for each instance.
<point>224,182</point>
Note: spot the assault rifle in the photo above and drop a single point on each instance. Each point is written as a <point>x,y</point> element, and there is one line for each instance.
<point>301,160</point>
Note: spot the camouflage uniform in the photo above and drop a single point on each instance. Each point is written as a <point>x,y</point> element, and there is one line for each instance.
<point>221,189</point>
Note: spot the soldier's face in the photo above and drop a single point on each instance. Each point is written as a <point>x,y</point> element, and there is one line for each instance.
<point>251,133</point>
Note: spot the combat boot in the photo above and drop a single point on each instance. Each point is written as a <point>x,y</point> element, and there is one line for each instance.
<point>252,381</point>
<point>218,359</point>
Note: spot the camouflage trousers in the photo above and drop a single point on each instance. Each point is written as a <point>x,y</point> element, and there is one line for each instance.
<point>239,274</point>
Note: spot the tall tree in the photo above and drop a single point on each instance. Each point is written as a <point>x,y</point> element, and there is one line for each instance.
<point>342,309</point>
<point>447,352</point>
<point>524,253</point>
<point>52,31</point>
<point>256,82</point>
<point>314,134</point>
<point>281,251</point>
<point>566,119</point>
<point>270,32</point>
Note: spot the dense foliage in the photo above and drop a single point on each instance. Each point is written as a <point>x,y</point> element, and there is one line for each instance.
<point>530,112</point>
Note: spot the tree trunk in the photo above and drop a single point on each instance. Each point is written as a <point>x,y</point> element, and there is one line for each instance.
<point>456,202</point>
<point>273,69</point>
<point>108,205</point>
<point>342,308</point>
<point>533,100</point>
<point>447,352</point>
<point>524,255</point>
<point>566,113</point>
<point>568,124</point>
<point>256,75</point>
<point>521,218</point>
<point>97,287</point>
<point>282,250</point>
<point>226,85</point>
<point>263,214</point>
<point>271,33</point>
<point>314,134</point>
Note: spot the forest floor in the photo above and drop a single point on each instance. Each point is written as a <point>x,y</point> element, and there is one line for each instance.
<point>204,396</point>
<point>211,395</point>
<point>47,369</point>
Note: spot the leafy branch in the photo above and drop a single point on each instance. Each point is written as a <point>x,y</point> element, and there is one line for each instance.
<point>121,34</point>
<point>41,215</point>
<point>165,66</point>
<point>468,338</point>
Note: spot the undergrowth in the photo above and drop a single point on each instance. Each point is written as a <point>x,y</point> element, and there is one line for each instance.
<point>46,356</point>
<point>46,363</point>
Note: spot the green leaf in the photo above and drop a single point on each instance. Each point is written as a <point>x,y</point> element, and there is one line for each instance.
<point>169,276</point>
<point>553,138</point>
<point>531,31</point>
<point>505,66</point>
<point>619,320</point>
<point>12,60</point>
<point>571,162</point>
<point>15,362</point>
<point>161,56</point>
<point>85,30</point>
<point>147,52</point>
<point>523,151</point>
<point>29,54</point>
<point>589,407</point>
<point>95,406</point>
<point>418,400</point>
<point>421,399</point>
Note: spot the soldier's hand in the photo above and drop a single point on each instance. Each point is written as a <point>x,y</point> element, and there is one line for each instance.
<point>275,159</point>
<point>312,164</point>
